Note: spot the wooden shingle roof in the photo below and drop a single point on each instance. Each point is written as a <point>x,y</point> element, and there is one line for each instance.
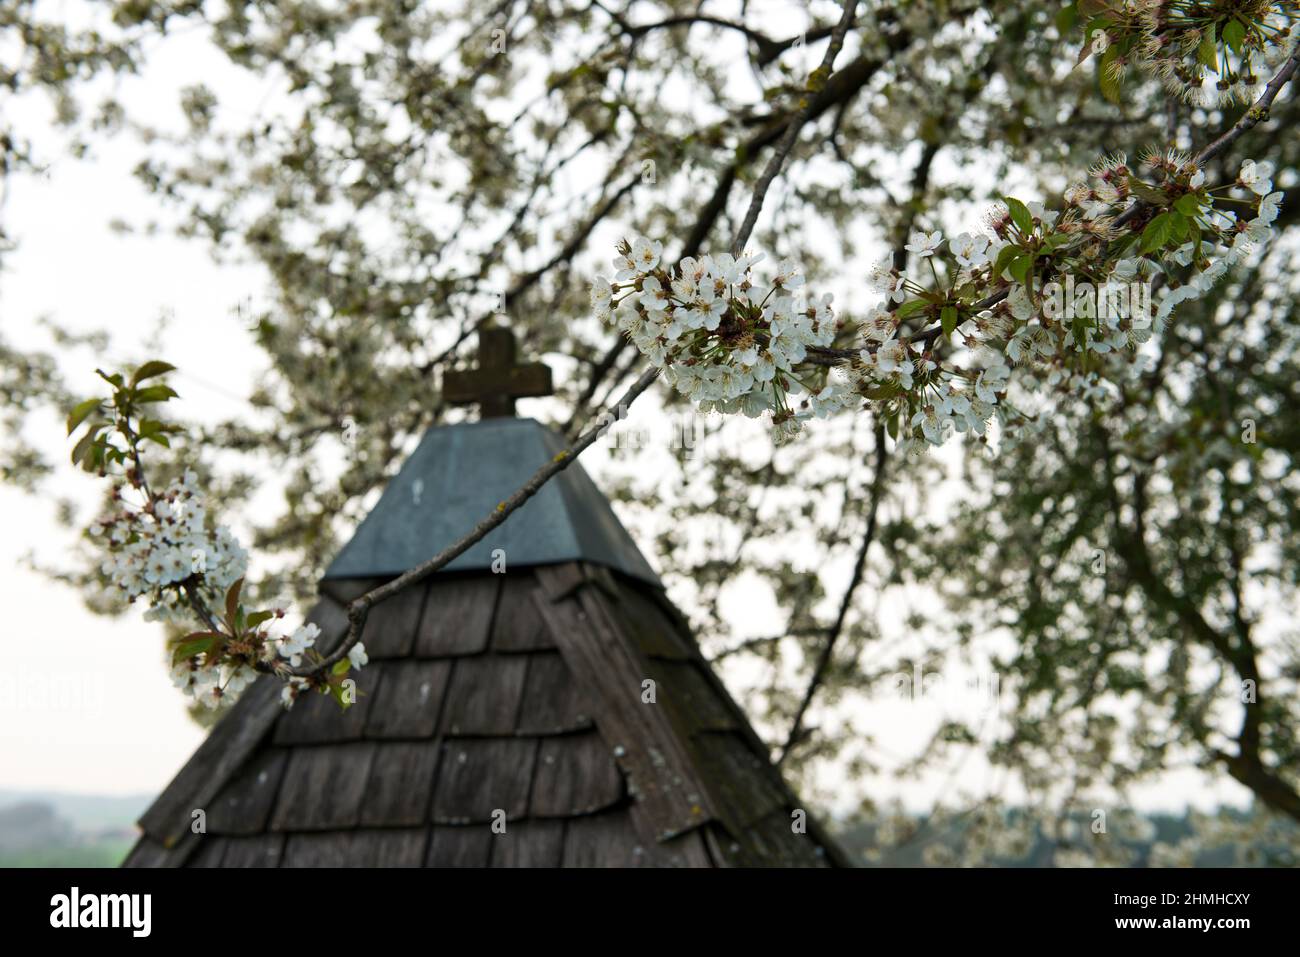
<point>516,697</point>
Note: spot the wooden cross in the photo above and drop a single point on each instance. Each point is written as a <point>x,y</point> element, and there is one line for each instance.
<point>497,381</point>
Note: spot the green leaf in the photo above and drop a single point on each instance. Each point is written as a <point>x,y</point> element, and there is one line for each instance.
<point>150,369</point>
<point>1092,26</point>
<point>1020,268</point>
<point>1106,78</point>
<point>1080,329</point>
<point>341,667</point>
<point>151,430</point>
<point>1208,52</point>
<point>340,694</point>
<point>79,413</point>
<point>911,308</point>
<point>1066,17</point>
<point>257,617</point>
<point>885,391</point>
<point>1188,205</point>
<point>1147,192</point>
<point>82,447</point>
<point>1178,232</point>
<point>1007,254</point>
<point>948,319</point>
<point>156,393</point>
<point>1019,215</point>
<point>200,642</point>
<point>1233,34</point>
<point>1157,233</point>
<point>232,601</point>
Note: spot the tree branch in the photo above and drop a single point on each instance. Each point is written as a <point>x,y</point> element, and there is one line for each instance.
<point>819,355</point>
<point>822,667</point>
<point>816,83</point>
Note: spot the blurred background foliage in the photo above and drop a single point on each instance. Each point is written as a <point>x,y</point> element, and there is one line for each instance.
<point>430,164</point>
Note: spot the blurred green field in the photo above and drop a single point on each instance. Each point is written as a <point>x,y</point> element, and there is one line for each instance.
<point>46,829</point>
<point>107,853</point>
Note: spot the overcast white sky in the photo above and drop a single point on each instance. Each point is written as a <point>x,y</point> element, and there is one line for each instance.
<point>85,704</point>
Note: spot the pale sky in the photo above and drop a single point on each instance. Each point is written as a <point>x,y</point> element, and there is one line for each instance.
<point>85,703</point>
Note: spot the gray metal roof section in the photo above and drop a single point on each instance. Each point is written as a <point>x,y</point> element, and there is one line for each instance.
<point>457,476</point>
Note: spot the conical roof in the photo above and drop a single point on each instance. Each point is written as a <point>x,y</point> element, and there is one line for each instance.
<point>457,476</point>
<point>556,714</point>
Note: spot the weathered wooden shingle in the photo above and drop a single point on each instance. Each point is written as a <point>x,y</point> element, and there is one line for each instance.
<point>331,849</point>
<point>403,847</point>
<point>684,850</point>
<point>682,689</point>
<point>528,844</point>
<point>332,620</point>
<point>645,744</point>
<point>479,776</point>
<point>517,626</point>
<point>264,850</point>
<point>408,702</point>
<point>781,837</point>
<point>483,695</point>
<point>558,582</point>
<point>344,590</point>
<point>244,804</point>
<point>317,718</point>
<point>391,625</point>
<point>740,781</point>
<point>209,852</point>
<point>553,702</point>
<point>149,853</point>
<point>401,783</point>
<point>457,616</point>
<point>576,774</point>
<point>651,630</point>
<point>468,845</point>
<point>604,840</point>
<point>323,787</point>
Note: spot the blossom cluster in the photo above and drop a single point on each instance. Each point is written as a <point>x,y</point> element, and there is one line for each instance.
<point>165,543</point>
<point>1182,238</point>
<point>216,681</point>
<point>165,552</point>
<point>1242,234</point>
<point>735,345</point>
<point>727,342</point>
<point>1207,54</point>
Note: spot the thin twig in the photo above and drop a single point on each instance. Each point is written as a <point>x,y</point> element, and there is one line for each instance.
<point>815,84</point>
<point>846,601</point>
<point>1257,113</point>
